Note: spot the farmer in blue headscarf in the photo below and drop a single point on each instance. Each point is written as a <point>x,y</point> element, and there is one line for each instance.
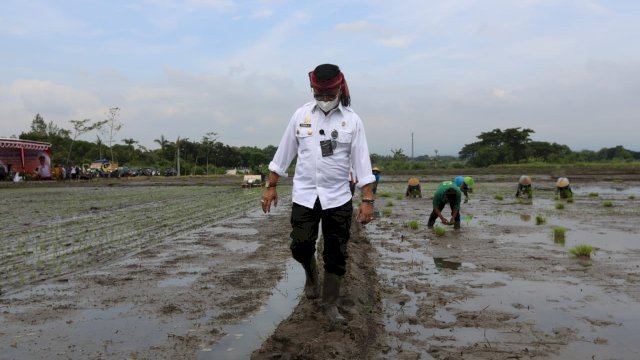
<point>465,183</point>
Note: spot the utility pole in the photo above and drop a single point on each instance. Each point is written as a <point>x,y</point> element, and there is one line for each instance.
<point>412,145</point>
<point>178,154</point>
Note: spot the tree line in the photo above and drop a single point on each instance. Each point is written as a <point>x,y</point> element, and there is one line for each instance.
<point>208,155</point>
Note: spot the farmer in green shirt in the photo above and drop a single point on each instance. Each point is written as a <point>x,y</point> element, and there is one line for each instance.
<point>447,192</point>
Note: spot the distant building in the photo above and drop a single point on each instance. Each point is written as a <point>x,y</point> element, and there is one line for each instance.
<point>22,155</point>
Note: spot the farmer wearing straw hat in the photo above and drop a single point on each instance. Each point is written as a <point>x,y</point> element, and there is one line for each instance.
<point>524,186</point>
<point>563,188</point>
<point>465,183</point>
<point>413,188</point>
<point>328,139</point>
<point>446,193</point>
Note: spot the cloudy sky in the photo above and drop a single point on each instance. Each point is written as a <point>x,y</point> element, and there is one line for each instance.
<point>444,71</point>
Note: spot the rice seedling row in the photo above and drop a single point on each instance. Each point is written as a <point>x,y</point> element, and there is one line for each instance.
<point>67,244</point>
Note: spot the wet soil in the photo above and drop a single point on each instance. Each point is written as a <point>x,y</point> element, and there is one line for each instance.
<point>501,287</point>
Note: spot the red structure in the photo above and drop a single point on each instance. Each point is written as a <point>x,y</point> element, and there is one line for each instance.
<point>22,155</point>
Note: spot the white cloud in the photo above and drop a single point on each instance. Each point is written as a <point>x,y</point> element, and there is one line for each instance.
<point>396,41</point>
<point>261,13</point>
<point>360,25</point>
<point>499,93</point>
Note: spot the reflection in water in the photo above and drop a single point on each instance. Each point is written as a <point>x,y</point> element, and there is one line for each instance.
<point>441,263</point>
<point>241,339</point>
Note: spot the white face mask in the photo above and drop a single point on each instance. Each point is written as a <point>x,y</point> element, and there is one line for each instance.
<point>327,106</point>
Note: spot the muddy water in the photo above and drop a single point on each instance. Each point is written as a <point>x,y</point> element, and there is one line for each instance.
<point>243,338</point>
<point>556,309</point>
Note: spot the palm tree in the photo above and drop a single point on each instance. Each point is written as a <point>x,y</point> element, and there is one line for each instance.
<point>130,143</point>
<point>163,143</point>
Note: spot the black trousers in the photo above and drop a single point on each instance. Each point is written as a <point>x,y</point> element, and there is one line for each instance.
<point>336,226</point>
<point>433,216</point>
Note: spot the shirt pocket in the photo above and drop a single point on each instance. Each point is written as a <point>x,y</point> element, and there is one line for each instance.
<point>343,141</point>
<point>304,140</point>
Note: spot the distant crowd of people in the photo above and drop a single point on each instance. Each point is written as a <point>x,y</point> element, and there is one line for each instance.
<point>42,172</point>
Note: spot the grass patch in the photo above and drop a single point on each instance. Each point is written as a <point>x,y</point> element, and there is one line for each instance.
<point>593,194</point>
<point>607,203</point>
<point>559,206</point>
<point>386,212</point>
<point>499,197</point>
<point>399,197</point>
<point>570,200</point>
<point>558,235</point>
<point>383,194</point>
<point>581,251</point>
<point>413,224</point>
<point>631,197</point>
<point>540,219</point>
<point>389,203</point>
<point>440,230</point>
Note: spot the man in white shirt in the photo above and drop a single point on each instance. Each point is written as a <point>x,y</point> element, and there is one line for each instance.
<point>44,170</point>
<point>328,138</point>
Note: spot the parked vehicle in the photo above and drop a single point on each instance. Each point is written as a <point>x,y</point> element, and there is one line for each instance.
<point>104,166</point>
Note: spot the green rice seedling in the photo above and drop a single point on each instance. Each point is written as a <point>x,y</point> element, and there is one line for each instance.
<point>468,218</point>
<point>570,200</point>
<point>389,203</point>
<point>559,206</point>
<point>607,203</point>
<point>386,212</point>
<point>540,219</point>
<point>631,197</point>
<point>413,224</point>
<point>399,197</point>
<point>499,197</point>
<point>384,194</point>
<point>558,234</point>
<point>581,251</point>
<point>440,230</point>
<point>593,194</point>
<point>556,198</point>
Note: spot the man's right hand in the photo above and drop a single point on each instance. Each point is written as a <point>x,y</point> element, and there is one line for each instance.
<point>270,195</point>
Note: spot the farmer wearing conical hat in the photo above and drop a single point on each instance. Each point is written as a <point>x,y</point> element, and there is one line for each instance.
<point>376,173</point>
<point>563,188</point>
<point>328,139</point>
<point>446,193</point>
<point>465,183</point>
<point>413,188</point>
<point>524,186</point>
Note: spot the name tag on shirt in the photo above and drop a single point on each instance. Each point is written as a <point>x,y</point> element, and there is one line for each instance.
<point>326,148</point>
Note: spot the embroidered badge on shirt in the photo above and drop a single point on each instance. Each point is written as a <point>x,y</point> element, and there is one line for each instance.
<point>309,132</point>
<point>307,120</point>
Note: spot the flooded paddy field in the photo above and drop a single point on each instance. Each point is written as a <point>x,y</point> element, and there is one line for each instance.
<point>195,271</point>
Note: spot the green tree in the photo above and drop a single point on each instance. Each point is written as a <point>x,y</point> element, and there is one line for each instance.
<point>80,127</point>
<point>111,127</point>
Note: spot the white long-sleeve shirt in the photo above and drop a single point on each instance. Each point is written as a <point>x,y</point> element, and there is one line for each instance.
<point>326,178</point>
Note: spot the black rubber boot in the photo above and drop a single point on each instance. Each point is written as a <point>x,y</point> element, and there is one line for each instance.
<point>330,292</point>
<point>312,284</point>
<point>456,224</point>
